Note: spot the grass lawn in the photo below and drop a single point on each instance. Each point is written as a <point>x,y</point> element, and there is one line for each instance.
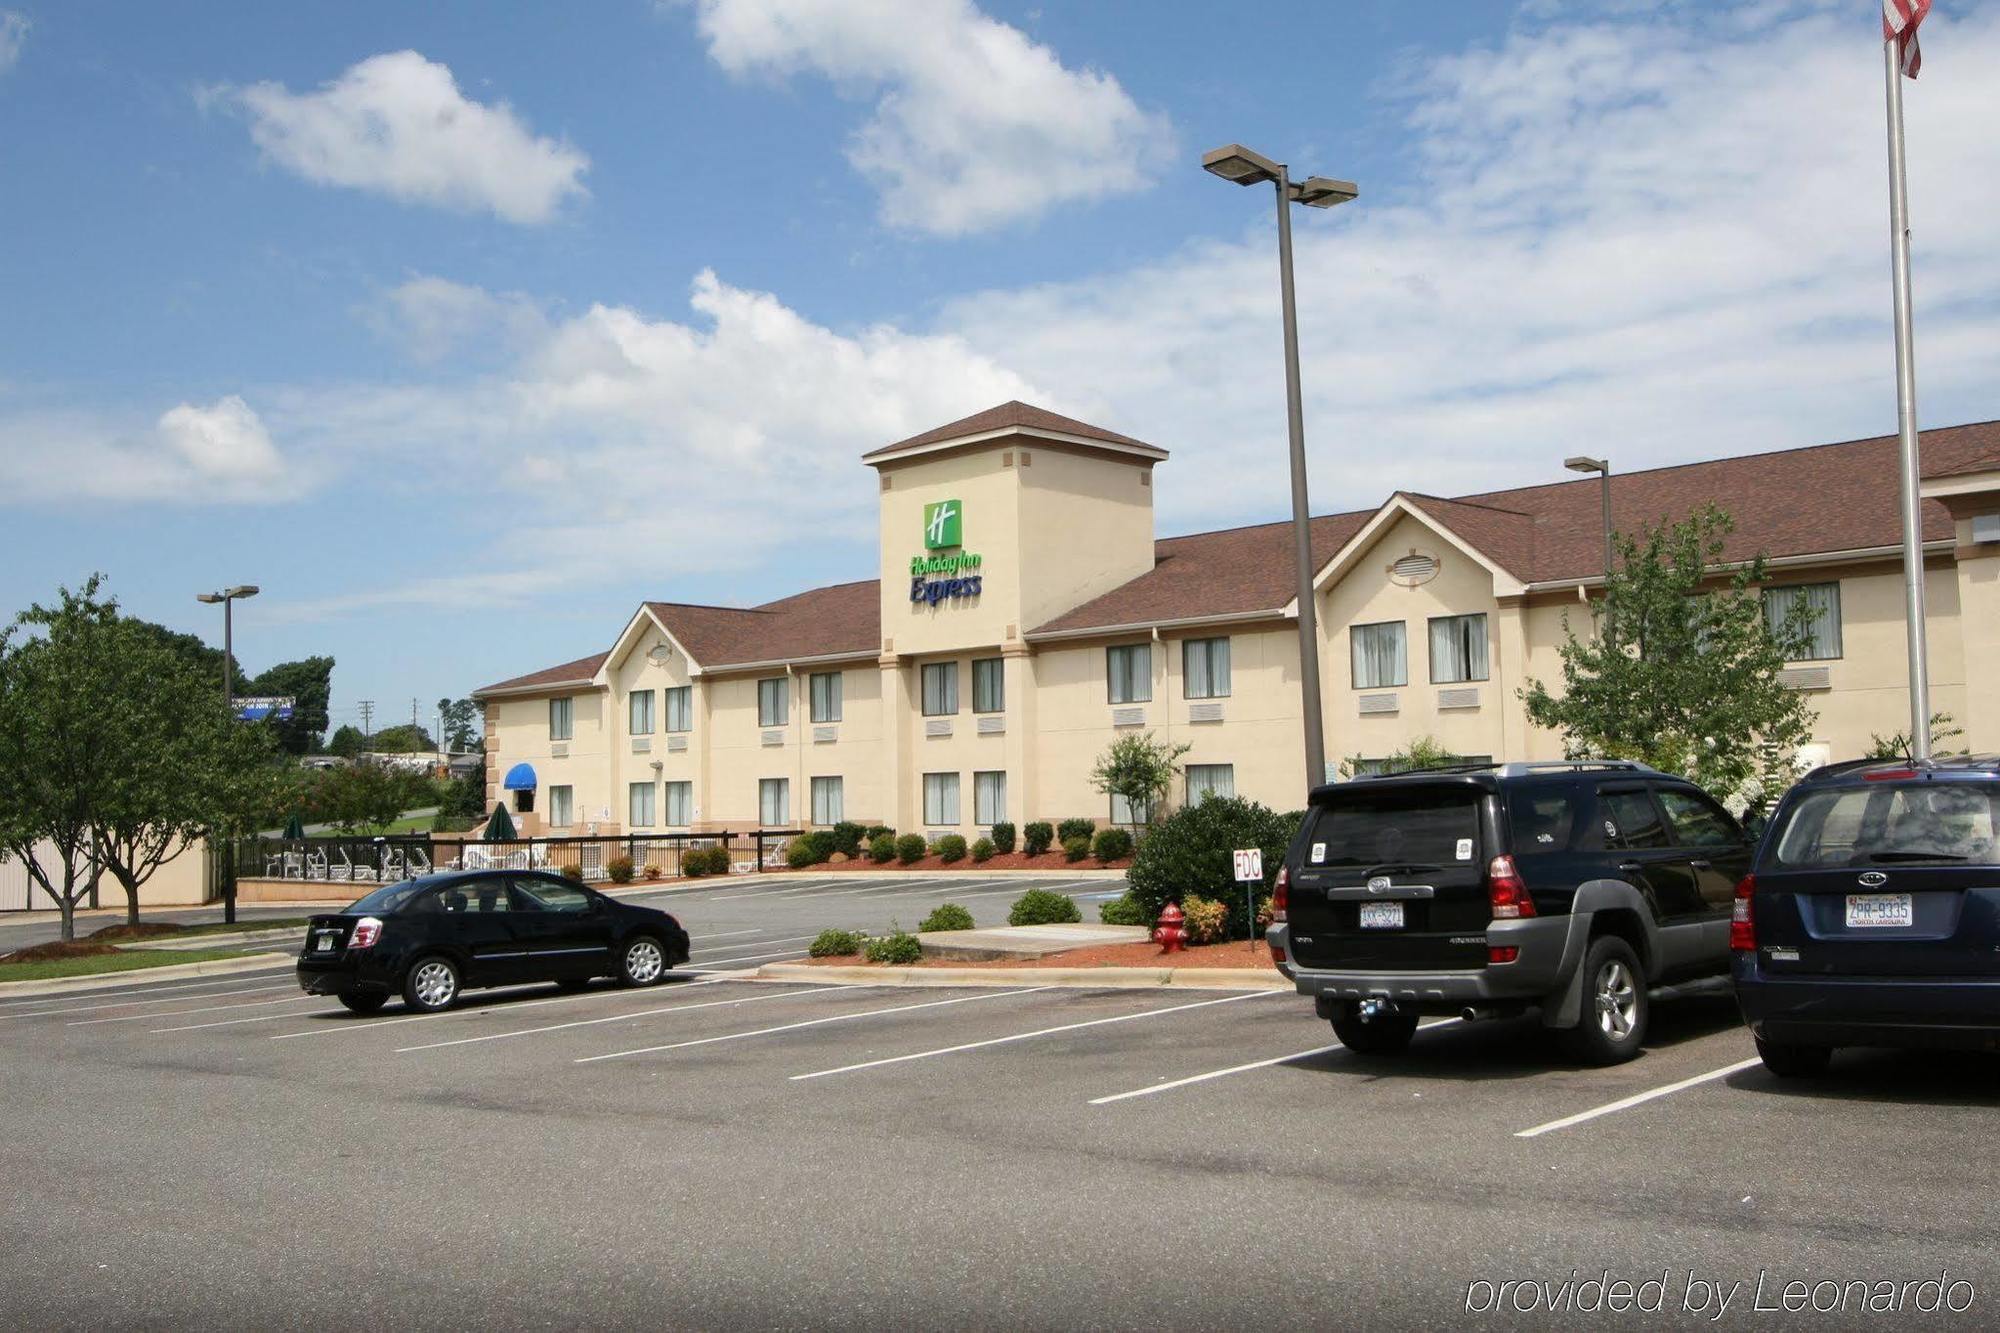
<point>407,824</point>
<point>124,960</point>
<point>242,923</point>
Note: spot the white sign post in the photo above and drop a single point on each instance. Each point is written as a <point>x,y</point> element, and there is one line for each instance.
<point>1250,873</point>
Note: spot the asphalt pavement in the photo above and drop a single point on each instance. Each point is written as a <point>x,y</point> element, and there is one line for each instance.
<point>720,1152</point>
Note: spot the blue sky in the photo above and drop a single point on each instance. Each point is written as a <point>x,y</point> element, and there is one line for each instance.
<point>460,329</point>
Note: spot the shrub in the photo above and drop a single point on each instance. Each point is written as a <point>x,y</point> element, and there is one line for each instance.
<point>620,869</point>
<point>1207,919</point>
<point>1189,852</point>
<point>947,916</point>
<point>882,848</point>
<point>846,837</point>
<point>875,831</point>
<point>1038,836</point>
<point>835,944</point>
<point>1076,848</point>
<point>1122,911</point>
<point>898,946</point>
<point>651,870</point>
<point>982,850</point>
<point>705,861</point>
<point>1075,828</point>
<point>1003,836</point>
<point>1043,907</point>
<point>951,847</point>
<point>800,854</point>
<point>1111,844</point>
<point>910,848</point>
<point>819,845</point>
<point>573,873</point>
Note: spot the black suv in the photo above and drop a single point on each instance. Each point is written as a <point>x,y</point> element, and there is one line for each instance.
<point>1873,917</point>
<point>1487,891</point>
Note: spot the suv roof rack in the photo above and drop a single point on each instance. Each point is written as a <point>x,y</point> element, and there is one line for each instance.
<point>1519,768</point>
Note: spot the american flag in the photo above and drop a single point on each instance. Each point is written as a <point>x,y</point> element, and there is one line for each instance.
<point>1900,19</point>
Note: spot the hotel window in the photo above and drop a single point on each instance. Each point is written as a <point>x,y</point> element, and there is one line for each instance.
<point>989,798</point>
<point>640,709</point>
<point>639,805</point>
<point>562,807</point>
<point>680,707</point>
<point>940,799</point>
<point>989,685</point>
<point>773,702</point>
<point>562,718</point>
<point>1380,659</point>
<point>1130,813</point>
<point>940,689</point>
<point>1205,669</point>
<point>1129,673</point>
<point>1206,780</point>
<point>1458,649</point>
<point>680,804</point>
<point>774,802</point>
<point>828,805</point>
<point>1823,623</point>
<point>825,689</point>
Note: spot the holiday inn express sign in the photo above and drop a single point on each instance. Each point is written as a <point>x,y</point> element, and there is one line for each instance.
<point>944,536</point>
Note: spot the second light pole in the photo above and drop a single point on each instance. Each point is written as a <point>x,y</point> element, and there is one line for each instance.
<point>1234,162</point>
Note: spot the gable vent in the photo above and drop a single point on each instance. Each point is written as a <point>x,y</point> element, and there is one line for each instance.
<point>1414,568</point>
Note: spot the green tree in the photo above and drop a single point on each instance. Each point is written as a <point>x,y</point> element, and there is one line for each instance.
<point>308,682</point>
<point>1190,852</point>
<point>55,740</point>
<point>1140,769</point>
<point>460,723</point>
<point>404,738</point>
<point>1422,753</point>
<point>347,741</point>
<point>1943,732</point>
<point>1688,679</point>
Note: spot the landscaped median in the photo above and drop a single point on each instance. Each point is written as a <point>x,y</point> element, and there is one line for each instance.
<point>1017,956</point>
<point>159,949</point>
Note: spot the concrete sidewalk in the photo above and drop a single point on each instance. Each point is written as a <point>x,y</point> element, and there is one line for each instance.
<point>1223,978</point>
<point>1004,943</point>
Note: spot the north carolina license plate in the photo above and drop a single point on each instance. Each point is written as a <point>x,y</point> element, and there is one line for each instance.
<point>329,941</point>
<point>1880,909</point>
<point>1381,916</point>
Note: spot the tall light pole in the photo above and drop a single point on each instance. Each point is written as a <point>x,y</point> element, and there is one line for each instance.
<point>228,597</point>
<point>1601,466</point>
<point>1234,162</point>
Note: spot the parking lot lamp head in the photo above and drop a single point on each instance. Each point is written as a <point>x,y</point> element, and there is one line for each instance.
<point>1234,162</point>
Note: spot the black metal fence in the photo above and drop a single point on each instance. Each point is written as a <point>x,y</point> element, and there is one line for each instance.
<point>374,860</point>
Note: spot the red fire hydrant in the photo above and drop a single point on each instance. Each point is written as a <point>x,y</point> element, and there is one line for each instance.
<point>1169,932</point>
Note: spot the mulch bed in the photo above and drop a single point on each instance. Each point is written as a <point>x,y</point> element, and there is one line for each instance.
<point>41,953</point>
<point>1144,953</point>
<point>143,930</point>
<point>1053,861</point>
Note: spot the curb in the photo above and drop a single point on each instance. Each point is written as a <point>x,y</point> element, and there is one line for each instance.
<point>1224,978</point>
<point>278,936</point>
<point>173,971</point>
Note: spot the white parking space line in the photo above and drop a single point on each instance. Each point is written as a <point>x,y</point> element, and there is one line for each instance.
<point>238,1022</point>
<point>709,964</point>
<point>723,934</point>
<point>617,1018</point>
<point>232,979</point>
<point>810,1023</point>
<point>1637,1099</point>
<point>1238,1069</point>
<point>1017,890</point>
<point>758,944</point>
<point>369,1025</point>
<point>198,1009</point>
<point>1024,1036</point>
<point>133,1004</point>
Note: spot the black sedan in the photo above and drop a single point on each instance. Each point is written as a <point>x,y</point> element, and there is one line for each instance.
<point>428,939</point>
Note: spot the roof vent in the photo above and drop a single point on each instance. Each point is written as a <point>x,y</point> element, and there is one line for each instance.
<point>1415,568</point>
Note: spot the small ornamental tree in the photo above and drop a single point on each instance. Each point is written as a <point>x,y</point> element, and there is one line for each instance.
<point>1140,769</point>
<point>1682,670</point>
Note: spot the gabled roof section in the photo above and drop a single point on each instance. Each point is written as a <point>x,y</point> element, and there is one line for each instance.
<point>1452,520</point>
<point>1013,418</point>
<point>579,672</point>
<point>844,620</point>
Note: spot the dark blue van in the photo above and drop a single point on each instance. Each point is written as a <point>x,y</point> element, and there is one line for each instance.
<point>1872,914</point>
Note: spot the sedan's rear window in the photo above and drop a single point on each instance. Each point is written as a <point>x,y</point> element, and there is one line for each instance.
<point>1372,826</point>
<point>1883,824</point>
<point>389,898</point>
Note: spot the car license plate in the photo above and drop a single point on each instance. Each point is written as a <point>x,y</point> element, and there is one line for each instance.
<point>1880,909</point>
<point>329,941</point>
<point>1381,916</point>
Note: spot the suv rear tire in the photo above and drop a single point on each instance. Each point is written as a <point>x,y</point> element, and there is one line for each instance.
<point>1791,1060</point>
<point>1616,1009</point>
<point>1387,1033</point>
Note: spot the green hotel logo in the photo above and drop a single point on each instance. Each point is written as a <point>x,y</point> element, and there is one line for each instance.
<point>944,525</point>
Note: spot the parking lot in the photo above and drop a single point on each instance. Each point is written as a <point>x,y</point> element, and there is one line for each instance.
<point>721,1151</point>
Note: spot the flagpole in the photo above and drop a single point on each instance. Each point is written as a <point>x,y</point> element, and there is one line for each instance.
<point>1906,408</point>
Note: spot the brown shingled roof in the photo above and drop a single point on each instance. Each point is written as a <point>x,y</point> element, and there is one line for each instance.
<point>569,673</point>
<point>1010,415</point>
<point>823,622</point>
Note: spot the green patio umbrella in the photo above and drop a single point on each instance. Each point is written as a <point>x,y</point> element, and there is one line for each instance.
<point>500,828</point>
<point>295,827</point>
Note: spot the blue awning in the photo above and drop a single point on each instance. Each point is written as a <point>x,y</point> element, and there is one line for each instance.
<point>521,777</point>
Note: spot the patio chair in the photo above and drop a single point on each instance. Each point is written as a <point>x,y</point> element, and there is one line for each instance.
<point>392,864</point>
<point>343,872</point>
<point>419,863</point>
<point>316,867</point>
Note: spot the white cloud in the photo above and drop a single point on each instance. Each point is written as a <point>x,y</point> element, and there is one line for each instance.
<point>224,441</point>
<point>13,35</point>
<point>974,125</point>
<point>434,318</point>
<point>218,454</point>
<point>397,124</point>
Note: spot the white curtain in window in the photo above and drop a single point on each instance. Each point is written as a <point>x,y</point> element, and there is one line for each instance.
<point>680,708</point>
<point>774,802</point>
<point>1380,659</point>
<point>826,696</point>
<point>1206,780</point>
<point>1205,663</point>
<point>940,799</point>
<point>1129,813</point>
<point>1130,673</point>
<point>641,712</point>
<point>989,798</point>
<point>562,806</point>
<point>1458,648</point>
<point>1824,630</point>
<point>773,702</point>
<point>989,685</point>
<point>940,689</point>
<point>828,802</point>
<point>639,811</point>
<point>680,804</point>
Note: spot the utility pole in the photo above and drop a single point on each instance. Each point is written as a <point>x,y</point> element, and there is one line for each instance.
<point>367,723</point>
